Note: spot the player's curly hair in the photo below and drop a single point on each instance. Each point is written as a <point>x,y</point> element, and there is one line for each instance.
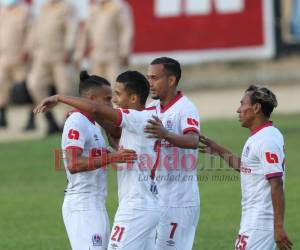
<point>265,97</point>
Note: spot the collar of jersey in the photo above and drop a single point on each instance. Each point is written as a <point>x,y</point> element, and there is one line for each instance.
<point>267,124</point>
<point>172,102</point>
<point>87,115</point>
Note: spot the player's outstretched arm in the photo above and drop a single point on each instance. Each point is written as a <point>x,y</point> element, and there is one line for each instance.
<point>101,111</point>
<point>77,163</point>
<point>277,193</point>
<point>208,146</point>
<point>156,129</point>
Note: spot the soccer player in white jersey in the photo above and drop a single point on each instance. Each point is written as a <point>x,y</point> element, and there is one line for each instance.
<point>84,151</point>
<point>138,212</point>
<point>262,169</point>
<point>177,126</point>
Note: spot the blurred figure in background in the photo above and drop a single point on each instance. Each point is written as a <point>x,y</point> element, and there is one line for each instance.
<point>295,22</point>
<point>52,40</point>
<point>290,20</point>
<point>107,38</point>
<point>14,26</point>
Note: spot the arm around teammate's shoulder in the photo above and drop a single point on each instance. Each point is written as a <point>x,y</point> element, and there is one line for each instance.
<point>101,111</point>
<point>209,146</point>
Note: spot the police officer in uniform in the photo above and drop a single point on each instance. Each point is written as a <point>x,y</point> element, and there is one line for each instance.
<point>14,26</point>
<point>52,42</point>
<point>107,35</point>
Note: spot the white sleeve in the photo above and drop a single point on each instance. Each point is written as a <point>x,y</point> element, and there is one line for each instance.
<point>74,134</point>
<point>272,159</point>
<point>132,120</point>
<point>190,121</point>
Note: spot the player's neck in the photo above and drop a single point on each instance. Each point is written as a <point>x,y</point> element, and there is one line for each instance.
<point>138,107</point>
<point>257,123</point>
<point>169,97</point>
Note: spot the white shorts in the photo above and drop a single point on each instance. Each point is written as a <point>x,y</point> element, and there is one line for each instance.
<point>177,228</point>
<point>87,230</point>
<point>132,228</point>
<point>255,240</point>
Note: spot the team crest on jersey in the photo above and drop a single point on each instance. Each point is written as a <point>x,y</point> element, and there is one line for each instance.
<point>96,137</point>
<point>247,151</point>
<point>97,240</point>
<point>169,125</point>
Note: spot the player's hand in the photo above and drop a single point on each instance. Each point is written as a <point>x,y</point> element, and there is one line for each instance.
<point>208,146</point>
<point>123,156</point>
<point>46,104</point>
<point>156,129</point>
<point>281,239</point>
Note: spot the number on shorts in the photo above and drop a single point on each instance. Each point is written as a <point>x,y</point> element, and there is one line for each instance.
<point>241,242</point>
<point>174,226</point>
<point>118,233</point>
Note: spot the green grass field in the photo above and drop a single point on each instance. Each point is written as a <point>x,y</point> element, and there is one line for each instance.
<point>31,192</point>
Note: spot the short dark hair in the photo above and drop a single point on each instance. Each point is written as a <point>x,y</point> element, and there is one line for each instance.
<point>265,97</point>
<point>135,83</point>
<point>90,81</point>
<point>171,66</point>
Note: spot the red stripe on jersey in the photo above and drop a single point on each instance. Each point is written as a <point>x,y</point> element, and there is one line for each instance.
<point>267,124</point>
<point>273,175</point>
<point>171,103</point>
<point>188,130</point>
<point>126,111</point>
<point>119,121</point>
<point>150,108</point>
<point>87,115</point>
<point>157,150</point>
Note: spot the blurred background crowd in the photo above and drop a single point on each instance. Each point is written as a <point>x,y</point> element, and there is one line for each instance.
<point>45,43</point>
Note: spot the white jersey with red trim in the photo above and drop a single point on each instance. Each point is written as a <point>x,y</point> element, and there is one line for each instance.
<point>85,190</point>
<point>262,158</point>
<point>176,176</point>
<point>134,182</point>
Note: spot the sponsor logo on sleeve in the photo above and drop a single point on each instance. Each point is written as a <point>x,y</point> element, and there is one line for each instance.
<point>73,134</point>
<point>192,122</point>
<point>271,157</point>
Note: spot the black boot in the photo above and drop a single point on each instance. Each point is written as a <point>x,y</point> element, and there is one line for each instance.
<point>53,127</point>
<point>30,123</point>
<point>3,121</point>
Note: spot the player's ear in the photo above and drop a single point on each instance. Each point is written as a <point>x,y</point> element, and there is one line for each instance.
<point>172,80</point>
<point>257,108</point>
<point>134,98</point>
<point>89,94</point>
